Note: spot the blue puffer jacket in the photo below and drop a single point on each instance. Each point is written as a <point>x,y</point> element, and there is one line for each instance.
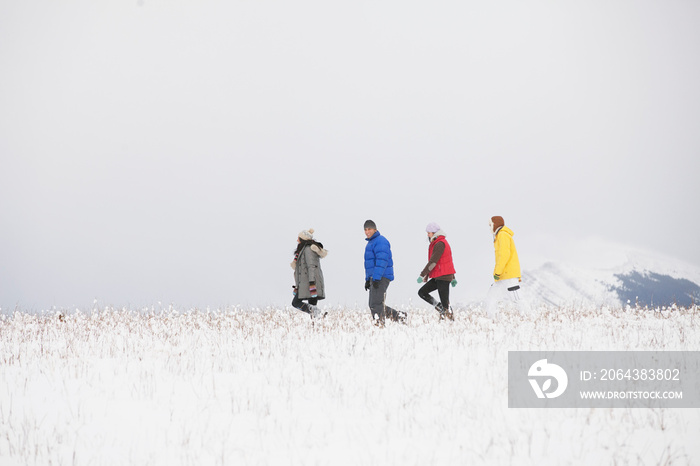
<point>378,261</point>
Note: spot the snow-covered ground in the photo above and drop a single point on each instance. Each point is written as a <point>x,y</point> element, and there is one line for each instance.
<point>265,386</point>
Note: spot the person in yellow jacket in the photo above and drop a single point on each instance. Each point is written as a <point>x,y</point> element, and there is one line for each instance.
<point>506,272</point>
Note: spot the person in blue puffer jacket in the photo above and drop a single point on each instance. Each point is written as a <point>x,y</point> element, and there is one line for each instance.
<point>379,273</point>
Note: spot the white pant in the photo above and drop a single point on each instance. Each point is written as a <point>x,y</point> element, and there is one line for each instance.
<point>504,293</point>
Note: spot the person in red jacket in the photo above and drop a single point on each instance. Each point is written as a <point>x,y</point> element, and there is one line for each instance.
<point>439,273</point>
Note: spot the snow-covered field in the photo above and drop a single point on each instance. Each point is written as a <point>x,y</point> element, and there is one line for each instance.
<point>265,386</point>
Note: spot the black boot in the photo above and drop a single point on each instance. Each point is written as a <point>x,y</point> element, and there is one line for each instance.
<point>444,313</point>
<point>440,310</point>
<point>448,314</point>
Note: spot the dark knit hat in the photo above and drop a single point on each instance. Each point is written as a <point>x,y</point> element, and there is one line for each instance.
<point>370,224</point>
<point>497,222</point>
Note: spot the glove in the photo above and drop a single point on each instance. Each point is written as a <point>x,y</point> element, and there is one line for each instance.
<point>420,280</point>
<point>375,284</point>
<point>453,283</point>
<point>496,276</point>
<point>366,285</point>
<point>312,290</point>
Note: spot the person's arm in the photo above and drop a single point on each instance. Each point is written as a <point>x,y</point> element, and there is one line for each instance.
<point>438,250</point>
<point>382,253</point>
<point>369,264</point>
<point>502,254</point>
<point>312,262</point>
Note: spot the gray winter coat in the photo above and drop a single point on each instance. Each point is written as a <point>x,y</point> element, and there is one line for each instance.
<point>307,268</point>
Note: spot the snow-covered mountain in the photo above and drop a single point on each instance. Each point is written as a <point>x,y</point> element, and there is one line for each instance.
<point>609,274</point>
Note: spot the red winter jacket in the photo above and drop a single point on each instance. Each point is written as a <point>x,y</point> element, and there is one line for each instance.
<point>444,264</point>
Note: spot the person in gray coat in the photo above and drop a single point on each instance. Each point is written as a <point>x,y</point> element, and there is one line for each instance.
<point>308,276</point>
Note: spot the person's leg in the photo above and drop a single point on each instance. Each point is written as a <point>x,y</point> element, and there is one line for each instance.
<point>301,305</point>
<point>494,297</point>
<point>523,302</point>
<point>376,303</point>
<point>313,308</point>
<point>425,290</point>
<point>443,288</point>
<point>393,314</point>
<point>515,297</point>
<point>513,288</point>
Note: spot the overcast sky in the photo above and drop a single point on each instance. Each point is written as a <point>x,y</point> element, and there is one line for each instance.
<point>155,151</point>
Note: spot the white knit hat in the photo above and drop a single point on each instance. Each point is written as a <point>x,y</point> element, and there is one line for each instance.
<point>432,227</point>
<point>307,235</point>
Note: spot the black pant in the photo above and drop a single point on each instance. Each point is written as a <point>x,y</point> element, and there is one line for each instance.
<point>443,287</point>
<point>302,306</point>
<point>377,302</point>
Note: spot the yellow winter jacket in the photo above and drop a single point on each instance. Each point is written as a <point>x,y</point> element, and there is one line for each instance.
<point>507,263</point>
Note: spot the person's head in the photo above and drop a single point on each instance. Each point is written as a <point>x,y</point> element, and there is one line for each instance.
<point>370,228</point>
<point>432,229</point>
<point>495,223</point>
<point>306,235</point>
